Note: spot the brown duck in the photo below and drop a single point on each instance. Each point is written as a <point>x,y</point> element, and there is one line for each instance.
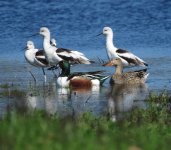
<point>131,77</point>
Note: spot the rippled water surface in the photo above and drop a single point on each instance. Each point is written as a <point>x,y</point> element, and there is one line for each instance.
<point>143,28</point>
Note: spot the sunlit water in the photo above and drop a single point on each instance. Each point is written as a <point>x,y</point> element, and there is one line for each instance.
<point>141,27</point>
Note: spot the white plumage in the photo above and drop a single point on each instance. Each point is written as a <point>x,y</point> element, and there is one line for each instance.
<point>128,59</point>
<point>63,82</point>
<point>53,42</point>
<point>36,57</point>
<point>54,55</point>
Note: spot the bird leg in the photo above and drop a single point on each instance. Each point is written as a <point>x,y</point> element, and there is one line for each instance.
<point>44,75</point>
<point>32,76</point>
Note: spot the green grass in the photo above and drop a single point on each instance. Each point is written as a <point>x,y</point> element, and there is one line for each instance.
<point>148,129</point>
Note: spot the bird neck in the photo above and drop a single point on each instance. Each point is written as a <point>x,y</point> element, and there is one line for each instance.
<point>109,42</point>
<point>65,70</point>
<point>65,73</point>
<point>46,42</point>
<point>119,69</point>
<point>30,51</point>
<point>33,47</point>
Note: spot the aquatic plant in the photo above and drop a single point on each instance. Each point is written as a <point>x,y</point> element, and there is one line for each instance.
<point>4,86</point>
<point>13,93</point>
<point>144,129</point>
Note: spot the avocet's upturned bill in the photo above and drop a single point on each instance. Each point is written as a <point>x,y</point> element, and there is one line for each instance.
<point>128,59</point>
<point>54,55</point>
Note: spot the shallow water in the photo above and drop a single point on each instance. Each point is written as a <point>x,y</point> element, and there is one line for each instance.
<point>111,101</point>
<point>141,27</point>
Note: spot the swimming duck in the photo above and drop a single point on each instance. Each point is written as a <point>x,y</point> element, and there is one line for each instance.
<point>131,77</point>
<point>127,58</point>
<point>54,55</point>
<point>79,79</point>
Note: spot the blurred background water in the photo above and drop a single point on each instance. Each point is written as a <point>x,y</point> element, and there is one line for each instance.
<point>142,27</point>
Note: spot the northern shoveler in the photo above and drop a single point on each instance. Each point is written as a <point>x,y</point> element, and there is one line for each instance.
<point>54,55</point>
<point>79,79</point>
<point>128,59</point>
<point>131,77</point>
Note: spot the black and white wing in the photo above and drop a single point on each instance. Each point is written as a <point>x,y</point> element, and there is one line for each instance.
<point>130,58</point>
<point>40,58</point>
<point>72,56</point>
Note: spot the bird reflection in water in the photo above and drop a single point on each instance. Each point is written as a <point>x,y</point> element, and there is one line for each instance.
<point>67,102</point>
<point>125,97</point>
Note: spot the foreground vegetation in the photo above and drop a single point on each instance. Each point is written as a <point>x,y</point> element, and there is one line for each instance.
<point>148,129</point>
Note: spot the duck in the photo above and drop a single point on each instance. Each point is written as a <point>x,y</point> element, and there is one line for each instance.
<point>54,55</point>
<point>128,59</point>
<point>79,79</point>
<point>131,77</point>
<point>36,57</point>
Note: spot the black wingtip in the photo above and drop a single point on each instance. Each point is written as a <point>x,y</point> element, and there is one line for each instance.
<point>92,62</point>
<point>145,64</point>
<point>144,70</point>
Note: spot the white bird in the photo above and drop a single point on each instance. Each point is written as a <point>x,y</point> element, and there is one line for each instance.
<point>36,57</point>
<point>54,55</point>
<point>53,42</point>
<point>128,59</point>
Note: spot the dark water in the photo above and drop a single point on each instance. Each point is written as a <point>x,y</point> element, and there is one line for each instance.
<point>143,27</point>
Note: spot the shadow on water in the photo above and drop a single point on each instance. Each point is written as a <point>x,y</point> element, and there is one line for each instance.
<point>63,102</point>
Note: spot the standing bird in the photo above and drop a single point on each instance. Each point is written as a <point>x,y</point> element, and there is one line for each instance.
<point>54,55</point>
<point>36,57</point>
<point>79,79</point>
<point>53,42</point>
<point>128,59</point>
<point>131,77</point>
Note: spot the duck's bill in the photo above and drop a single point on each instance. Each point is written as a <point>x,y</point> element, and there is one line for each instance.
<point>108,64</point>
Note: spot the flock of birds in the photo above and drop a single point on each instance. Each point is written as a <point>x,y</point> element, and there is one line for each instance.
<point>52,57</point>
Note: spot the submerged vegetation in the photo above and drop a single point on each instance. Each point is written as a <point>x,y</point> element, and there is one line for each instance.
<point>7,90</point>
<point>146,129</point>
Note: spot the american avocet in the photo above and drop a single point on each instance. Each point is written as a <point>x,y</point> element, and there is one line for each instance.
<point>131,77</point>
<point>53,42</point>
<point>79,79</point>
<point>36,57</point>
<point>128,59</point>
<point>54,55</point>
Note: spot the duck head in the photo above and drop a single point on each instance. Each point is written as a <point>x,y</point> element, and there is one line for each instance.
<point>114,62</point>
<point>65,66</point>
